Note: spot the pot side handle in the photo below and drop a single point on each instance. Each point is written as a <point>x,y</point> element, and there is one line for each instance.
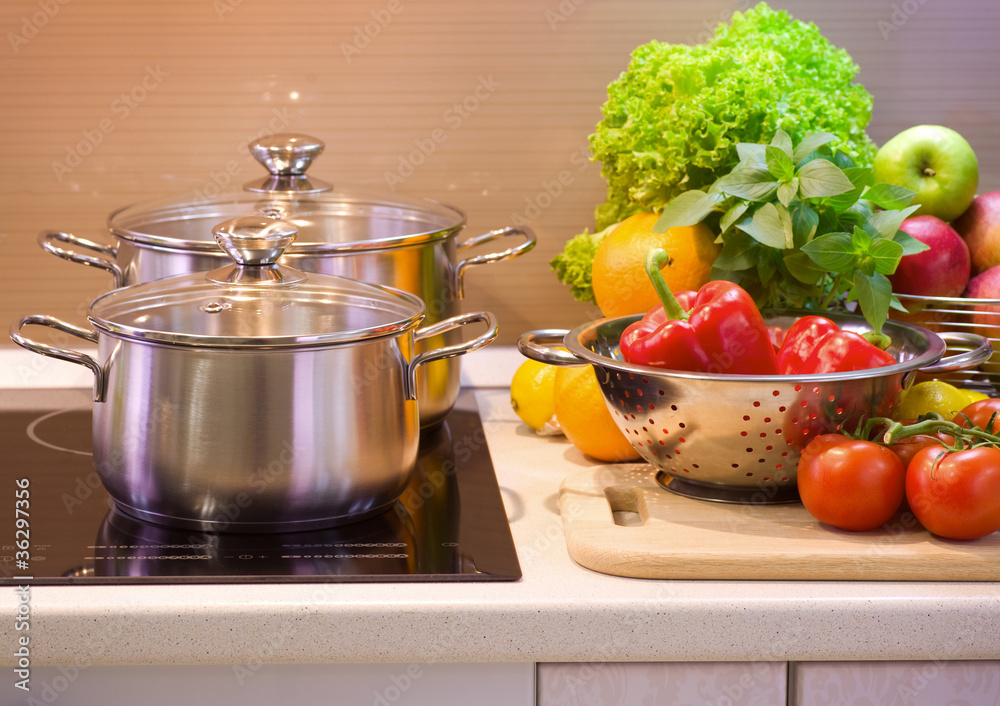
<point>537,346</point>
<point>980,351</point>
<point>449,351</point>
<point>485,259</point>
<point>51,241</point>
<point>61,353</point>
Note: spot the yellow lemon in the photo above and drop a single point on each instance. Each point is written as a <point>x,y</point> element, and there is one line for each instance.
<point>584,416</point>
<point>935,396</point>
<point>531,393</point>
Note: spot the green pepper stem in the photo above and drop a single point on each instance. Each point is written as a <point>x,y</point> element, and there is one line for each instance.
<point>879,340</point>
<point>655,259</point>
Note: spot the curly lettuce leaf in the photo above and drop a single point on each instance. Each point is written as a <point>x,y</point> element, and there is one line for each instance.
<point>674,117</point>
<point>574,264</point>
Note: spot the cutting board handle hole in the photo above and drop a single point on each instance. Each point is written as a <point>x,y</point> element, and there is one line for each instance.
<point>628,507</point>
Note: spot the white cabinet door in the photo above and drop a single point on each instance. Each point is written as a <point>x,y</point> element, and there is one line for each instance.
<point>270,685</point>
<point>936,683</point>
<point>662,684</point>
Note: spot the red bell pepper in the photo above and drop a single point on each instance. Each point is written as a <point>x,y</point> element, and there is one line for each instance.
<point>723,332</point>
<point>815,344</point>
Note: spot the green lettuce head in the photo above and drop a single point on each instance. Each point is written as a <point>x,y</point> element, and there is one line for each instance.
<point>674,117</point>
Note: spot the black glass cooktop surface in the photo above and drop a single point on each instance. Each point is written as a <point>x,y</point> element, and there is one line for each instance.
<point>58,526</point>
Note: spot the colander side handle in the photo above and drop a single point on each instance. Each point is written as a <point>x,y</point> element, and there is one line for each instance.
<point>981,350</point>
<point>537,346</point>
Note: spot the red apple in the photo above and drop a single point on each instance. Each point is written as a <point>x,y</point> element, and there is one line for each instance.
<point>986,317</point>
<point>980,227</point>
<point>941,271</point>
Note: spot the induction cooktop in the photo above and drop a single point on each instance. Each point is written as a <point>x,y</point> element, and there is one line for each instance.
<point>59,527</point>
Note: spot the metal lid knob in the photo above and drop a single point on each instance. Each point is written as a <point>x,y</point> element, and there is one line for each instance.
<point>255,243</point>
<point>287,157</point>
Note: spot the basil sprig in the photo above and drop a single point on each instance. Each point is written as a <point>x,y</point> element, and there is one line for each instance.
<point>802,225</point>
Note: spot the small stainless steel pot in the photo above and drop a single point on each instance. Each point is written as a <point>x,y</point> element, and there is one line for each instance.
<point>409,244</point>
<point>255,396</point>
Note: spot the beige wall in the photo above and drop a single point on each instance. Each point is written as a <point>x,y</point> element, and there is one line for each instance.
<point>172,90</point>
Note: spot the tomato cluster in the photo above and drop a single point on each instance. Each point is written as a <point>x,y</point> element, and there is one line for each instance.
<point>859,485</point>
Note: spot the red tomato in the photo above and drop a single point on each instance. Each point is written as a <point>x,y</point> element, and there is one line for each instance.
<point>979,412</point>
<point>906,449</point>
<point>956,494</point>
<point>853,485</point>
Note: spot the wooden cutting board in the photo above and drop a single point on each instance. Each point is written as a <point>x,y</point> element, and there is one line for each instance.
<point>618,520</point>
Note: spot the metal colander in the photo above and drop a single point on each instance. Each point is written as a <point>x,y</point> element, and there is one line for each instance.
<point>734,438</point>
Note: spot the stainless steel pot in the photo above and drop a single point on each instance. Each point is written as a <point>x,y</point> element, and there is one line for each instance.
<point>255,396</point>
<point>409,244</point>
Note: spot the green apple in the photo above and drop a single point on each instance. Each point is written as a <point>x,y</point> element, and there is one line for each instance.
<point>934,161</point>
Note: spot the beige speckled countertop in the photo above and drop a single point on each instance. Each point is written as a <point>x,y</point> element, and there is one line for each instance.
<point>557,612</point>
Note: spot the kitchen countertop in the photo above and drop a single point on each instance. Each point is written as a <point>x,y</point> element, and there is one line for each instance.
<point>558,612</point>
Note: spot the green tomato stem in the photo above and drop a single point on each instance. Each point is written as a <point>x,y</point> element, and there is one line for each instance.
<point>655,259</point>
<point>898,430</point>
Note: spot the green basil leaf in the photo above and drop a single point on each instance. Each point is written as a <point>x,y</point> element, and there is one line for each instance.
<point>842,160</point>
<point>733,215</point>
<point>750,153</point>
<point>765,226</point>
<point>886,223</point>
<point>874,295</point>
<point>890,196</point>
<point>821,178</point>
<point>778,163</point>
<point>886,255</point>
<point>787,191</point>
<point>750,182</point>
<point>811,143</point>
<point>804,223</point>
<point>783,142</point>
<point>910,245</point>
<point>860,178</point>
<point>833,251</point>
<point>801,267</point>
<point>766,267</point>
<point>786,225</point>
<point>688,208</point>
<point>737,253</point>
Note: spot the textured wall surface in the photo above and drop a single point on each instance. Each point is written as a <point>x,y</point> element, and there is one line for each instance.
<point>484,105</point>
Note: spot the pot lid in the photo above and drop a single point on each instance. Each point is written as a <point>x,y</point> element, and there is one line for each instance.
<point>255,302</point>
<point>328,220</point>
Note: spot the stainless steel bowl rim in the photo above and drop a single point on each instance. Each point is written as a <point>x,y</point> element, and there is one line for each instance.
<point>936,348</point>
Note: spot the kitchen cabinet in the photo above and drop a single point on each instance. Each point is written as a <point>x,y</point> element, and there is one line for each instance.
<point>923,683</point>
<point>666,683</point>
<point>509,684</point>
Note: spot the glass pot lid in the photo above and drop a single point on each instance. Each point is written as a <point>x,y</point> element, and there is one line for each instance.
<point>328,221</point>
<point>254,302</point>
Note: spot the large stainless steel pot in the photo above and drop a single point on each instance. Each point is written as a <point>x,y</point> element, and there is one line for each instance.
<point>409,244</point>
<point>255,397</point>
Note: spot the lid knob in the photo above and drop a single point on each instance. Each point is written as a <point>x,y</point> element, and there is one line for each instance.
<point>254,240</point>
<point>287,157</point>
